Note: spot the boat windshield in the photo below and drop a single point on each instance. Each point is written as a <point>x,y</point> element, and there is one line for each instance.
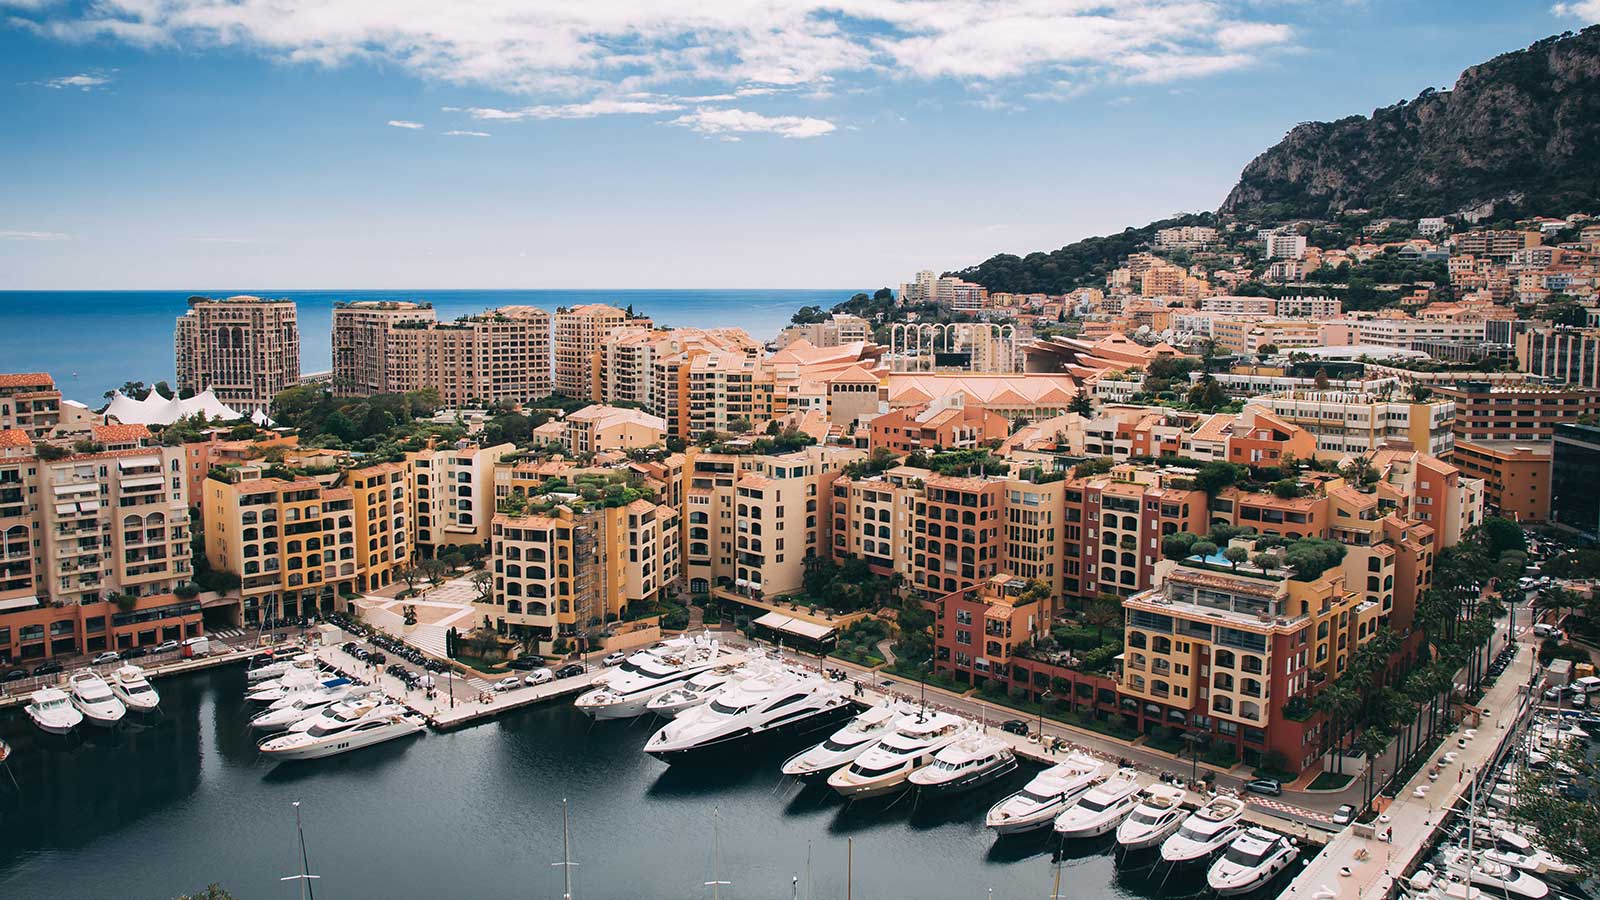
<point>1037,797</point>
<point>1093,804</point>
<point>948,766</point>
<point>1195,834</point>
<point>718,706</point>
<point>137,687</point>
<point>838,747</point>
<point>866,772</point>
<point>325,729</point>
<point>1145,818</point>
<point>1244,857</point>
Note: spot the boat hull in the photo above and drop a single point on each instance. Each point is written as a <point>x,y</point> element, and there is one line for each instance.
<point>346,745</point>
<point>1025,824</point>
<point>1149,840</point>
<point>968,782</point>
<point>52,727</point>
<point>745,741</point>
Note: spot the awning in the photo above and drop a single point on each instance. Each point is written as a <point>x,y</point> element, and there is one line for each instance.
<point>18,603</point>
<point>144,481</point>
<point>799,627</point>
<point>88,506</point>
<point>139,462</point>
<point>62,490</point>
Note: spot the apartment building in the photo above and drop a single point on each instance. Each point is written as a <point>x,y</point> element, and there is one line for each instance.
<point>455,496</point>
<point>1357,422</point>
<point>1526,412</point>
<point>751,521</point>
<point>978,630</point>
<point>597,428</point>
<point>836,330</point>
<point>561,574</point>
<point>497,355</point>
<point>1248,336</point>
<point>580,334</point>
<point>364,348</point>
<point>1575,470</point>
<point>29,402</point>
<point>1563,355</point>
<point>1114,525</point>
<point>244,349</point>
<point>1516,474</point>
<point>1405,333</point>
<point>1186,237</point>
<point>946,424</point>
<point>1498,245</point>
<point>1284,246</point>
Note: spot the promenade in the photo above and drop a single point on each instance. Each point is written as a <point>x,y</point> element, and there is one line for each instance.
<point>1413,815</point>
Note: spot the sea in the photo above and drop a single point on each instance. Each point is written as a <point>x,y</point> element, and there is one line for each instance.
<point>166,804</point>
<point>94,341</point>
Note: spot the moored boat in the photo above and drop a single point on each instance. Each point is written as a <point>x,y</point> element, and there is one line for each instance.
<point>964,764</point>
<point>1159,813</point>
<point>1102,808</point>
<point>1043,798</point>
<point>93,697</point>
<point>841,748</point>
<point>52,711</point>
<point>1250,861</point>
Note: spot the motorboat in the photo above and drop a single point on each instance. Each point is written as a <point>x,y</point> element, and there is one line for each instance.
<point>1043,798</point>
<point>133,689</point>
<point>343,712</point>
<point>93,697</point>
<point>780,705</point>
<point>693,692</point>
<point>1427,885</point>
<point>277,667</point>
<point>1251,860</point>
<point>886,766</point>
<point>311,704</point>
<point>53,712</point>
<point>385,723</point>
<point>1535,862</point>
<point>303,675</point>
<point>329,686</point>
<point>843,746</point>
<point>965,763</point>
<point>1102,809</point>
<point>1206,830</point>
<point>1158,815</point>
<point>1494,877</point>
<point>648,674</point>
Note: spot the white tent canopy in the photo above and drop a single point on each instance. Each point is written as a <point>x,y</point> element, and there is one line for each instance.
<point>799,627</point>
<point>158,410</point>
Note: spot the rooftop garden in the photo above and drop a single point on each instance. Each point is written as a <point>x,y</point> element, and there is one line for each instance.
<point>1305,558</point>
<point>960,463</point>
<point>583,493</point>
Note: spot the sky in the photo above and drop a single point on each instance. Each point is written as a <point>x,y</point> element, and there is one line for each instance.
<point>342,144</point>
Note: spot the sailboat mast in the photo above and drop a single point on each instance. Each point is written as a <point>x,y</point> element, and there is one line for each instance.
<point>849,865</point>
<point>716,881</point>
<point>566,863</point>
<point>305,877</point>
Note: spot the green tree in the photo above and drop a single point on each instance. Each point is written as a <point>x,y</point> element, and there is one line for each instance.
<point>1503,535</point>
<point>1235,555</point>
<point>1103,612</point>
<point>1214,476</point>
<point>1207,394</point>
<point>1178,546</point>
<point>1204,549</point>
<point>1082,404</point>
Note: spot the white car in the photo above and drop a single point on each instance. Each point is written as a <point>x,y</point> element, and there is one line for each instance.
<point>507,683</point>
<point>615,659</point>
<point>539,676</point>
<point>110,656</point>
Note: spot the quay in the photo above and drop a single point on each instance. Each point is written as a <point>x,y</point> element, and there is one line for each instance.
<point>1358,864</point>
<point>19,692</point>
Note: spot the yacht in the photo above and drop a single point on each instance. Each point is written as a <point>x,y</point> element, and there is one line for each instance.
<point>648,674</point>
<point>886,766</point>
<point>693,692</point>
<point>53,712</point>
<point>1427,885</point>
<point>385,723</point>
<point>1158,815</point>
<point>843,746</point>
<point>1043,798</point>
<point>1206,830</point>
<point>1535,862</point>
<point>343,712</point>
<point>330,686</point>
<point>298,677</point>
<point>311,704</point>
<point>93,697</point>
<point>966,763</point>
<point>1102,809</point>
<point>782,704</point>
<point>277,667</point>
<point>1495,877</point>
<point>1250,861</point>
<point>133,689</point>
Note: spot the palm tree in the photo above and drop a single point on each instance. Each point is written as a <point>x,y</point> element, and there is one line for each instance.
<point>1103,612</point>
<point>1371,745</point>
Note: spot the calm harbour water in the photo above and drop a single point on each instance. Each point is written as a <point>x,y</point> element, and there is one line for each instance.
<point>92,341</point>
<point>167,807</point>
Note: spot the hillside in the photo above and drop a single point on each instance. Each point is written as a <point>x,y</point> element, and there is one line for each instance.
<point>1080,263</point>
<point>1523,126</point>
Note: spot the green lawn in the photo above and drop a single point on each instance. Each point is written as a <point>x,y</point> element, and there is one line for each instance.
<point>1329,781</point>
<point>481,664</point>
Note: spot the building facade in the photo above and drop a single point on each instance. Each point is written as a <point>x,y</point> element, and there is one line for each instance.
<point>244,349</point>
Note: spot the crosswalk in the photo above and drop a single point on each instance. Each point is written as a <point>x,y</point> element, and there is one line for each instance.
<point>1289,808</point>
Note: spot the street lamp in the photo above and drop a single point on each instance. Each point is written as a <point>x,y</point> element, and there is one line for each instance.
<point>1043,698</point>
<point>1193,739</point>
<point>923,678</point>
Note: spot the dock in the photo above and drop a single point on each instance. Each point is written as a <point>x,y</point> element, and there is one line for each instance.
<point>20,692</point>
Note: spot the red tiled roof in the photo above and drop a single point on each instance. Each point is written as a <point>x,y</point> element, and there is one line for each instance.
<point>25,379</point>
<point>14,437</point>
<point>119,434</point>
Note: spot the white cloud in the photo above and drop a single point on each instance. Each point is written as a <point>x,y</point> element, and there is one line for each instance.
<point>1587,10</point>
<point>459,133</point>
<point>733,122</point>
<point>33,236</point>
<point>402,123</point>
<point>583,50</point>
<point>84,81</point>
<point>601,107</point>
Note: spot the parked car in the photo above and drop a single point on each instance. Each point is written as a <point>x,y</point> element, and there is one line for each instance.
<point>1015,726</point>
<point>1268,786</point>
<point>539,676</point>
<point>615,659</point>
<point>47,668</point>
<point>165,647</point>
<point>507,683</point>
<point>1543,630</point>
<point>135,652</point>
<point>571,670</point>
<point>15,675</point>
<point>1344,815</point>
<point>109,656</point>
<point>526,663</point>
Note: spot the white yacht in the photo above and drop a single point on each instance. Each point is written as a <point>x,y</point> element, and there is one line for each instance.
<point>1158,815</point>
<point>1495,877</point>
<point>277,667</point>
<point>93,697</point>
<point>886,766</point>
<point>1206,830</point>
<point>782,704</point>
<point>1428,885</point>
<point>1102,809</point>
<point>1050,791</point>
<point>648,674</point>
<point>53,712</point>
<point>133,689</point>
<point>310,704</point>
<point>324,688</point>
<point>385,723</point>
<point>965,763</point>
<point>342,713</point>
<point>693,692</point>
<point>1250,861</point>
<point>1535,862</point>
<point>303,675</point>
<point>843,746</point>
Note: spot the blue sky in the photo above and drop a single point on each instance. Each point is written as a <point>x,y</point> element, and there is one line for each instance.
<point>623,143</point>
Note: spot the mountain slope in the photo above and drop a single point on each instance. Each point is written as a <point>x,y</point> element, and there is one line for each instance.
<point>1523,126</point>
<point>1080,263</point>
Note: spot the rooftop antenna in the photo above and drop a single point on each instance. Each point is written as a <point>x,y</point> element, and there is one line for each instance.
<point>566,863</point>
<point>305,877</point>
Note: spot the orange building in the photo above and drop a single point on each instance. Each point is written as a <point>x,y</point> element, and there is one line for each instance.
<point>936,426</point>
